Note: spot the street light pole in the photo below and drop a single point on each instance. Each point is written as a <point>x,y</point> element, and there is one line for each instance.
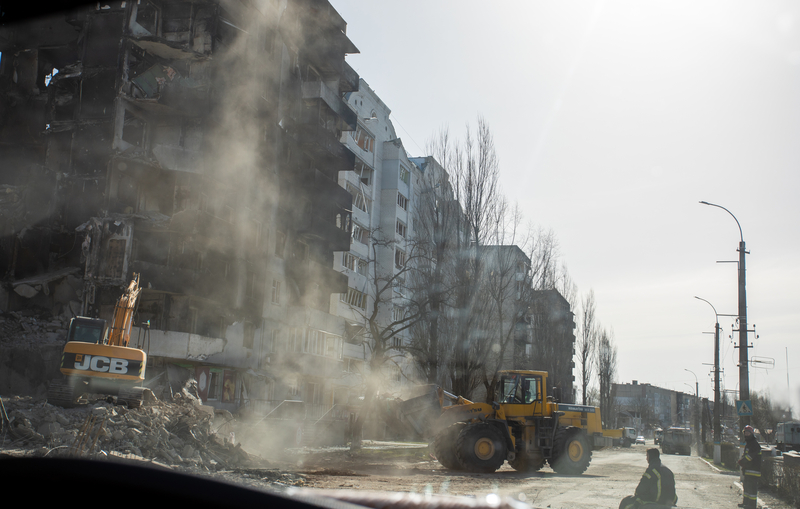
<point>744,375</point>
<point>717,426</point>
<point>696,411</point>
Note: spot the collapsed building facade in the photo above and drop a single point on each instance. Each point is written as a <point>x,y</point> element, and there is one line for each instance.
<point>198,145</point>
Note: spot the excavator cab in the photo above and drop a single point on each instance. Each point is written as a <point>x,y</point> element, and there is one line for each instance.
<point>87,330</point>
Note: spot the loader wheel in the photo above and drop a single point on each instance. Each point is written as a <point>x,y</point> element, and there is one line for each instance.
<point>444,446</point>
<point>61,393</point>
<point>132,397</point>
<point>571,452</point>
<point>527,462</point>
<point>480,448</point>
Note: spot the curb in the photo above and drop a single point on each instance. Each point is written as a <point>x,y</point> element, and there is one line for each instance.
<point>717,469</point>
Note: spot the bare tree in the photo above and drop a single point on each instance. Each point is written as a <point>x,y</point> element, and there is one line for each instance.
<point>767,415</point>
<point>543,253</point>
<point>436,233</point>
<point>643,408</point>
<point>606,375</point>
<point>587,342</point>
<point>473,167</point>
<point>384,329</point>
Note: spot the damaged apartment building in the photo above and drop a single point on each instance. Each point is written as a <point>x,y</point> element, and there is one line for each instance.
<point>198,145</point>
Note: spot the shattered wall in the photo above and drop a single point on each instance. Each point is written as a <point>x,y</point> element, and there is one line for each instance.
<point>196,144</point>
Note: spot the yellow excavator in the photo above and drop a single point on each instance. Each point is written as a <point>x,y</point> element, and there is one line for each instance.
<point>97,359</point>
<point>522,425</point>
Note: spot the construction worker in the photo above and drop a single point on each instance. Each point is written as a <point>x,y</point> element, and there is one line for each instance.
<point>657,487</point>
<point>751,468</point>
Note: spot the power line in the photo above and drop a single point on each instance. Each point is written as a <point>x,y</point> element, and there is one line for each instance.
<point>422,152</point>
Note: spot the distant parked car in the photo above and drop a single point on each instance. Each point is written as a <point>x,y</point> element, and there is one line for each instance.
<point>640,440</point>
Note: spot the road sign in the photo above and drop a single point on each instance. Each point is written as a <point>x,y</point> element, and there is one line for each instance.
<point>744,407</point>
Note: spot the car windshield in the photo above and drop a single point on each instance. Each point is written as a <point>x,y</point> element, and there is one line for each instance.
<point>458,249</point>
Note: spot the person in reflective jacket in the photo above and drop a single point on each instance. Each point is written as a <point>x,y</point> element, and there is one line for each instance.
<point>657,487</point>
<point>751,468</point>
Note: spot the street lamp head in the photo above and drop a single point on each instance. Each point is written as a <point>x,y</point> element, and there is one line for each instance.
<point>741,236</point>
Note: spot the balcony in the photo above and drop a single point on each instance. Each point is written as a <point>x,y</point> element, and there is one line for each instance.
<point>317,228</point>
<point>323,28</point>
<point>162,91</point>
<point>349,79</point>
<point>310,276</point>
<point>168,50</point>
<point>332,155</point>
<point>319,91</point>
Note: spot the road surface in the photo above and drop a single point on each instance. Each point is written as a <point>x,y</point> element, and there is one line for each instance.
<point>612,475</point>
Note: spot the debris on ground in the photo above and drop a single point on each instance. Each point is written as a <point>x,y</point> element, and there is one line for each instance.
<point>177,433</point>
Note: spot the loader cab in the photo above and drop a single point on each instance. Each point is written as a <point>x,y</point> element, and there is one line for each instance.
<point>87,330</point>
<point>519,389</point>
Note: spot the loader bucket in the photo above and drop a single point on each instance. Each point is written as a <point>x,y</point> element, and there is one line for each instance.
<point>418,414</point>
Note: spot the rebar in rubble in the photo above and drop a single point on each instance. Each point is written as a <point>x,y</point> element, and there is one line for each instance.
<point>86,434</point>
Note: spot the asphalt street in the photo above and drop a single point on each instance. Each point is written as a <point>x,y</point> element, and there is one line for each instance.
<point>612,475</point>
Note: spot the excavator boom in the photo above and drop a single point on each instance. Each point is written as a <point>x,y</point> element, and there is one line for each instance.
<point>123,314</point>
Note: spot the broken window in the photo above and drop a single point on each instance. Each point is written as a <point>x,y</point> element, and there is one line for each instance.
<point>355,298</point>
<point>360,233</point>
<point>354,263</point>
<point>363,139</point>
<point>360,200</point>
<point>364,172</point>
<point>343,221</point>
<point>145,19</point>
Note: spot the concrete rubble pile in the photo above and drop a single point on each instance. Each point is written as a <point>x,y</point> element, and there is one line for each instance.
<point>22,327</point>
<point>179,433</point>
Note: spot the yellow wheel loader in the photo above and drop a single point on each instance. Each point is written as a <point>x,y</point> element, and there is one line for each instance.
<point>97,359</point>
<point>522,426</point>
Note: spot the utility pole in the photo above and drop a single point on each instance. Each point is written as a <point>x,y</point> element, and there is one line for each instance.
<point>696,412</point>
<point>717,424</point>
<point>744,374</point>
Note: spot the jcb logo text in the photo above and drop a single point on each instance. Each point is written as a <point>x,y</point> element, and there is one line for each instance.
<point>101,363</point>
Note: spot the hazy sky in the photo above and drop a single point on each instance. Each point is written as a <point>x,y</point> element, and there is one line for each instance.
<point>612,120</point>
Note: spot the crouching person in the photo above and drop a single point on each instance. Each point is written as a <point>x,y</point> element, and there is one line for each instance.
<point>657,487</point>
